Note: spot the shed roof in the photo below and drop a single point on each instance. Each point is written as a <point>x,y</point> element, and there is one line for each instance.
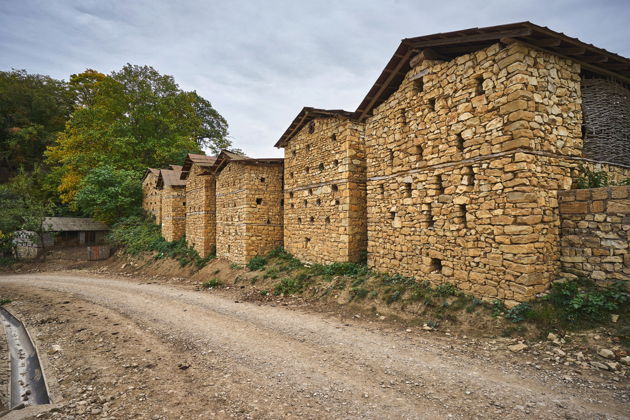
<point>153,171</point>
<point>453,44</point>
<point>72,224</point>
<point>226,157</point>
<point>170,178</point>
<point>306,115</point>
<point>197,159</point>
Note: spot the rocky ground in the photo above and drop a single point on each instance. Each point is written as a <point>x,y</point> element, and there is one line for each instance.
<point>119,347</point>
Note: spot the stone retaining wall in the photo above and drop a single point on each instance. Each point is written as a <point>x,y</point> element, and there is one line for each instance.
<point>596,233</point>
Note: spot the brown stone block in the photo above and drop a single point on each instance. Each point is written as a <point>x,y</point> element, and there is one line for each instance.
<point>600,193</point>
<point>583,195</point>
<point>521,197</point>
<point>565,196</point>
<point>518,249</point>
<point>574,207</point>
<point>621,191</point>
<point>597,206</point>
<point>529,220</point>
<point>618,206</point>
<point>522,142</point>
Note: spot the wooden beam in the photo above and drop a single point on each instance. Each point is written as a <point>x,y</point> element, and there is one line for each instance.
<point>594,59</point>
<point>618,66</point>
<point>469,38</point>
<point>571,50</point>
<point>549,42</point>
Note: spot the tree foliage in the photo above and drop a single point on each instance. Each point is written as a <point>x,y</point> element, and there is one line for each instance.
<point>108,194</point>
<point>131,119</point>
<point>20,210</point>
<point>33,109</point>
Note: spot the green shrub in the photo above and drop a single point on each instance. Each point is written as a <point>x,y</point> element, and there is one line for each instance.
<point>235,266</point>
<point>358,292</point>
<point>591,179</point>
<point>136,235</point>
<point>264,292</point>
<point>582,300</point>
<point>498,308</point>
<point>446,289</point>
<point>518,313</point>
<point>5,302</point>
<point>291,286</point>
<point>211,284</point>
<point>256,263</point>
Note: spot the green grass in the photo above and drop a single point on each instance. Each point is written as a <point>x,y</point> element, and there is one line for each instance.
<point>136,235</point>
<point>211,284</point>
<point>256,263</point>
<point>5,302</point>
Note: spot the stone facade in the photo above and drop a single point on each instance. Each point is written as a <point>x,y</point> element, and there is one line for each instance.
<point>249,206</point>
<point>325,218</point>
<point>596,233</point>
<point>462,173</point>
<point>173,193</point>
<point>449,171</point>
<point>200,203</point>
<point>151,198</point>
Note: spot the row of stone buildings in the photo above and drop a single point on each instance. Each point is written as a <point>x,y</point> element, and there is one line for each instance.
<point>449,170</point>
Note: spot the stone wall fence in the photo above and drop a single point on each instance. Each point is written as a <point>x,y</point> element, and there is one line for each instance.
<point>595,236</point>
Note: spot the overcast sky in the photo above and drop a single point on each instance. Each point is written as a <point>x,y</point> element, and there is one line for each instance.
<point>260,62</point>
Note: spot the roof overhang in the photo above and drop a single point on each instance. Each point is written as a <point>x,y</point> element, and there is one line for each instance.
<point>196,159</point>
<point>226,157</point>
<point>306,115</point>
<point>452,44</point>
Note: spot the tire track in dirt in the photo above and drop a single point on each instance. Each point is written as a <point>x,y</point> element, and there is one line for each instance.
<point>324,368</point>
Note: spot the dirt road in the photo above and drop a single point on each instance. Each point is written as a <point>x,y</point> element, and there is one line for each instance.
<point>152,351</point>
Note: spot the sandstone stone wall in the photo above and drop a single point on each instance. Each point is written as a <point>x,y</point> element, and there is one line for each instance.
<point>596,233</point>
<point>325,218</point>
<point>201,211</point>
<point>151,198</point>
<point>249,210</point>
<point>461,176</point>
<point>173,212</point>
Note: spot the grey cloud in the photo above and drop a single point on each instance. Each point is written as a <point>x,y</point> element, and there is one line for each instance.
<point>260,62</point>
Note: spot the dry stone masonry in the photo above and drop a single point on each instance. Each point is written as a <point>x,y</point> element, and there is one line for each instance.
<point>200,203</point>
<point>249,206</point>
<point>151,198</point>
<point>458,166</point>
<point>325,213</point>
<point>173,193</point>
<point>596,233</point>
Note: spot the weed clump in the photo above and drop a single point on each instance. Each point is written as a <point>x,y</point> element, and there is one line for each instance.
<point>210,284</point>
<point>291,285</point>
<point>256,263</point>
<point>136,235</point>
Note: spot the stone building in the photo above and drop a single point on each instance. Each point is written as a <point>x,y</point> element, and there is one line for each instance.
<point>173,193</point>
<point>249,206</point>
<point>324,187</point>
<point>200,203</point>
<point>151,198</point>
<point>469,137</point>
